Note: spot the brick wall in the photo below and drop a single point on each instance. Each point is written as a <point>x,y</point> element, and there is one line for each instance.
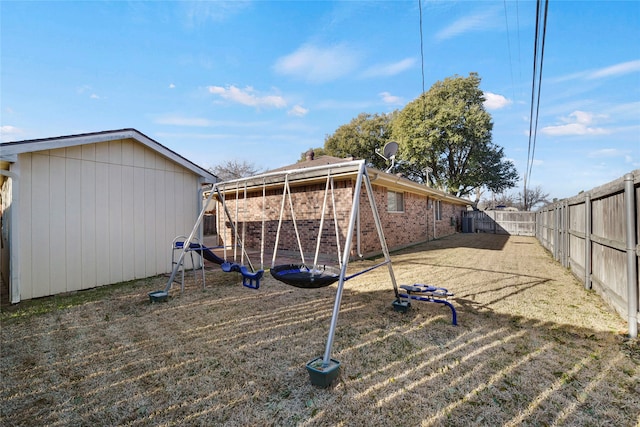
<point>307,206</point>
<point>400,229</point>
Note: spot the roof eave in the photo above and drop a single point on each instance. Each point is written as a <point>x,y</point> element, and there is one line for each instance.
<point>400,183</point>
<point>10,150</point>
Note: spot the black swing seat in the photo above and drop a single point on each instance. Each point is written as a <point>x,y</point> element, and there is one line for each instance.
<point>301,276</point>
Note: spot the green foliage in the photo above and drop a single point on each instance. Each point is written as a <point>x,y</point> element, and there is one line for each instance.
<point>448,130</point>
<point>361,138</point>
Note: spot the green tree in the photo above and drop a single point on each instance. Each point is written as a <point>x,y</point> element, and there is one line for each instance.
<point>447,132</point>
<point>361,138</point>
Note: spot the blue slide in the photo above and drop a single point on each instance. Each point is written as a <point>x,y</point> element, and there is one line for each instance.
<point>206,253</point>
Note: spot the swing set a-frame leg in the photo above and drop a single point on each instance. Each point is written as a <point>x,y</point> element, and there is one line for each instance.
<point>323,371</point>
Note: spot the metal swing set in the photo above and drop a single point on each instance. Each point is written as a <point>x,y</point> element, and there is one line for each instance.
<point>322,370</point>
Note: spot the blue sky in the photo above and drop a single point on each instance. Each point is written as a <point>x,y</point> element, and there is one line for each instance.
<point>263,81</point>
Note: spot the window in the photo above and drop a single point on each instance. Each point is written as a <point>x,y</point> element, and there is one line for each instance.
<point>438,212</point>
<point>395,201</point>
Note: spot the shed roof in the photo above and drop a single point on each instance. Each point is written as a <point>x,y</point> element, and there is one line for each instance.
<point>10,150</point>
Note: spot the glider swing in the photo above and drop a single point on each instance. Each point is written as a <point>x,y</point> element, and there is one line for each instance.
<point>189,245</point>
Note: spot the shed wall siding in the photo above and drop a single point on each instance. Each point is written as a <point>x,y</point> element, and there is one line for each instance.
<point>99,214</point>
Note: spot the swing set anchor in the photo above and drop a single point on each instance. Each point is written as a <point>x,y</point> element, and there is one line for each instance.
<point>321,375</point>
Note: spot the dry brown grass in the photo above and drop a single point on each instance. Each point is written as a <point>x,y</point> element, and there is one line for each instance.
<point>532,348</point>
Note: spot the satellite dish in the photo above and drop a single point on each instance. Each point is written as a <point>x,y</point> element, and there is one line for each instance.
<point>390,149</point>
<point>389,153</point>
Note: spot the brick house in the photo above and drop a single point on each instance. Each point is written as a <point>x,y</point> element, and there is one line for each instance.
<point>410,213</point>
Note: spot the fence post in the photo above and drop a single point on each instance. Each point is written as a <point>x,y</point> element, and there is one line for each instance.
<point>556,232</point>
<point>632,260</point>
<point>565,234</point>
<point>563,221</point>
<point>587,241</point>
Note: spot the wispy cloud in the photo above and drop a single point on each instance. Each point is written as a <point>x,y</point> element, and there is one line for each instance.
<point>626,155</point>
<point>601,73</point>
<point>182,120</point>
<point>298,111</point>
<point>247,96</point>
<point>86,90</point>
<point>387,98</point>
<point>331,104</point>
<point>9,133</point>
<point>199,12</point>
<point>318,64</point>
<point>577,123</point>
<point>615,70</point>
<point>479,21</point>
<point>493,101</point>
<point>175,120</point>
<point>608,152</point>
<point>389,70</point>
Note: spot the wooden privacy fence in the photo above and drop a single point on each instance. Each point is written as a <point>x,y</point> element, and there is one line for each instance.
<point>499,222</point>
<point>595,234</point>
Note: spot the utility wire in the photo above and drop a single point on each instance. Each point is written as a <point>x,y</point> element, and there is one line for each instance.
<point>519,48</point>
<point>535,134</point>
<point>506,22</point>
<point>422,94</point>
<point>421,46</point>
<point>535,91</point>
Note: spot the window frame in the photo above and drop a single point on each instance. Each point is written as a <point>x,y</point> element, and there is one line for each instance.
<point>398,195</point>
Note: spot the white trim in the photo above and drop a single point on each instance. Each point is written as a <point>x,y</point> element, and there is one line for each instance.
<point>378,177</point>
<point>10,150</point>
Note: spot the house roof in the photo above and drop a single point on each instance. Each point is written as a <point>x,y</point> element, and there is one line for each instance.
<point>317,170</point>
<point>320,161</point>
<point>10,150</point>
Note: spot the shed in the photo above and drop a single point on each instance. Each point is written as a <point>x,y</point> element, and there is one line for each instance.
<point>92,209</point>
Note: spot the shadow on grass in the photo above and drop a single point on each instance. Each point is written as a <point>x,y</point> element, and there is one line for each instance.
<point>230,355</point>
<point>495,242</point>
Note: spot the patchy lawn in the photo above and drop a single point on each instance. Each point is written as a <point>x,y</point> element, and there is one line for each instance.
<point>532,348</point>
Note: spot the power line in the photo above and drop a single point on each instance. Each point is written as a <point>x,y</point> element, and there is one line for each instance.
<point>422,94</point>
<point>421,46</point>
<point>536,83</point>
<point>519,48</point>
<point>506,22</point>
